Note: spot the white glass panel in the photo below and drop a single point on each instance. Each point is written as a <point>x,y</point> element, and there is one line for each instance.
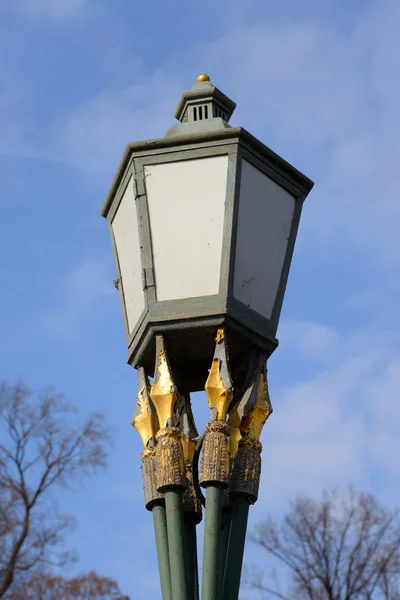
<point>126,236</point>
<point>186,208</point>
<point>264,223</point>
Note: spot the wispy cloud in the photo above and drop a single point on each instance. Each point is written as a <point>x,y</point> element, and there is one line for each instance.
<point>83,289</point>
<point>313,340</point>
<point>336,426</point>
<point>97,132</point>
<point>51,9</point>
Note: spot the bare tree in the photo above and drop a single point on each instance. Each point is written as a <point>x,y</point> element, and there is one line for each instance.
<point>338,548</point>
<point>41,447</point>
<point>91,586</point>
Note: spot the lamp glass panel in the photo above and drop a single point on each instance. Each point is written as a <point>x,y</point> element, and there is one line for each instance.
<point>186,201</point>
<point>126,238</point>
<point>264,224</point>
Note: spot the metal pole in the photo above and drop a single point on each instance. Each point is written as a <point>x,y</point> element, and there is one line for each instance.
<point>212,526</point>
<point>191,552</point>
<point>225,529</point>
<point>176,544</point>
<point>237,539</point>
<point>160,530</point>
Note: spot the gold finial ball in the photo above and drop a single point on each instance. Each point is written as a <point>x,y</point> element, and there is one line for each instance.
<point>203,77</point>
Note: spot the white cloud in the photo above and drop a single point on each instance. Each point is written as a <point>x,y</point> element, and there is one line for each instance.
<point>320,94</point>
<point>337,427</point>
<point>313,340</point>
<point>325,96</point>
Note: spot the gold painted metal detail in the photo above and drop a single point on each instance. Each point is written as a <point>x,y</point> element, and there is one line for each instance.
<point>215,461</point>
<point>186,425</point>
<point>255,407</point>
<point>145,419</point>
<point>234,423</point>
<point>246,472</point>
<point>163,393</point>
<point>149,475</point>
<point>171,471</point>
<point>190,501</point>
<point>247,419</point>
<point>202,77</point>
<point>189,438</point>
<point>219,386</point>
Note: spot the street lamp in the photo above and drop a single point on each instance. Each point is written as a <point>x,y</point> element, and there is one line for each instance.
<point>203,224</point>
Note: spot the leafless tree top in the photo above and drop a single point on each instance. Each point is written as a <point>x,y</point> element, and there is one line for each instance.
<point>90,586</point>
<point>41,446</point>
<point>338,548</point>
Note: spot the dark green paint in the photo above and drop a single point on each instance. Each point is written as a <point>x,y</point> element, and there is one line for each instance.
<point>226,519</point>
<point>176,544</point>
<point>160,530</point>
<point>234,558</point>
<point>191,551</point>
<point>211,584</point>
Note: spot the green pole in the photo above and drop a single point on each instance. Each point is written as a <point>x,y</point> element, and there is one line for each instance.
<point>176,543</point>
<point>237,539</point>
<point>225,528</point>
<point>191,550</point>
<point>160,530</point>
<point>212,527</point>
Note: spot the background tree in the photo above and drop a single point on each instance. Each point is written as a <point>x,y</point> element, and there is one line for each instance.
<point>90,586</point>
<point>41,447</point>
<point>340,548</point>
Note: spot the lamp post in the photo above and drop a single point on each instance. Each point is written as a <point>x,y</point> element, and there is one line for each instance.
<point>203,224</point>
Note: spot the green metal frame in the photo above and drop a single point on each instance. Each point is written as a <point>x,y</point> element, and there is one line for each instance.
<point>211,311</point>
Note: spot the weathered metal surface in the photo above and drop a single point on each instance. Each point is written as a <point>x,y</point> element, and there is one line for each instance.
<point>171,472</point>
<point>191,503</point>
<point>215,459</point>
<point>185,422</point>
<point>145,419</point>
<point>219,385</point>
<point>246,472</point>
<point>149,475</point>
<point>255,406</point>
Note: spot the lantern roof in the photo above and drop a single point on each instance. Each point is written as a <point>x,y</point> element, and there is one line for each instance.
<point>202,108</point>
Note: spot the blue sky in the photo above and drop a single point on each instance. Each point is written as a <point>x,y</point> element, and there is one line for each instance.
<point>317,81</point>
